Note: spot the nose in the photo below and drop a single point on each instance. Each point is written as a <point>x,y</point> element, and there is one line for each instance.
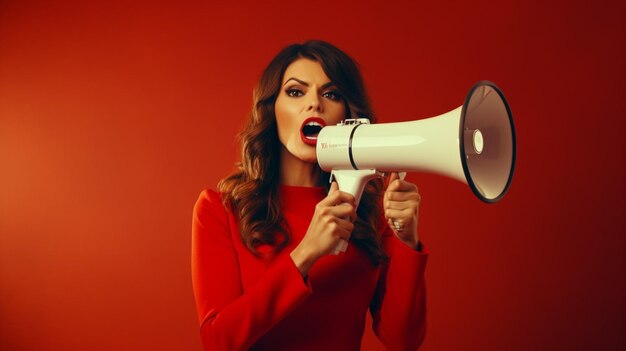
<point>314,103</point>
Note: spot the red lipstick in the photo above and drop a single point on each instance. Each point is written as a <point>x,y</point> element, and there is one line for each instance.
<point>310,129</point>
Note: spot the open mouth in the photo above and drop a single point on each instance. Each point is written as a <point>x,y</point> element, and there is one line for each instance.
<point>310,129</point>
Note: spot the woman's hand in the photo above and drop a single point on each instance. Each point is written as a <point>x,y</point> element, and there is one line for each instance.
<point>331,223</point>
<point>401,203</point>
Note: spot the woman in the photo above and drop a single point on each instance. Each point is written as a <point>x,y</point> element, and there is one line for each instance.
<point>264,273</point>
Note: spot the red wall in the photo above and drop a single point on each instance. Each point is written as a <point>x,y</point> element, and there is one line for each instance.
<point>113,117</point>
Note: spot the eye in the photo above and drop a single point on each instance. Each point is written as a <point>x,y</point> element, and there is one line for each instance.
<point>333,95</point>
<point>293,92</point>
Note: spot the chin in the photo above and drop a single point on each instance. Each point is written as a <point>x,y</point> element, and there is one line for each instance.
<point>308,156</point>
<point>302,153</point>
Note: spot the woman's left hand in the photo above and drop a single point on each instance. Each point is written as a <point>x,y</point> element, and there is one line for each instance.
<point>401,203</point>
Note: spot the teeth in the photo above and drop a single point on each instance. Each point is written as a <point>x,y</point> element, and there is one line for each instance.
<point>311,129</point>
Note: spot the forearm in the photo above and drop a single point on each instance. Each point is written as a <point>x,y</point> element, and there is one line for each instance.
<point>242,321</point>
<point>400,319</point>
<point>233,316</point>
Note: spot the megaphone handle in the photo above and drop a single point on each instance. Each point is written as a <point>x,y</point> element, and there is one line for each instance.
<point>352,182</point>
<point>341,247</point>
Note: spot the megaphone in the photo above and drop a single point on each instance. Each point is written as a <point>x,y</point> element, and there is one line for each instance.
<point>474,143</point>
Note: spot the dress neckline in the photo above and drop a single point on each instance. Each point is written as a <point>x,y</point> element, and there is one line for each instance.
<point>297,196</point>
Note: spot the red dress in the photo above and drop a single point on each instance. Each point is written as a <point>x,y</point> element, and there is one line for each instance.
<point>245,302</point>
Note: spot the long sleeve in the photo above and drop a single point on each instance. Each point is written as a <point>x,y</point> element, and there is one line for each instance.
<point>399,306</point>
<point>231,318</point>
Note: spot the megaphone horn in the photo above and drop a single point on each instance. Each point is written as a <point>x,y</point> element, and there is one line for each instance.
<point>474,143</point>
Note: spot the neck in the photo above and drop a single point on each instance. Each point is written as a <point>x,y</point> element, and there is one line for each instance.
<point>295,172</point>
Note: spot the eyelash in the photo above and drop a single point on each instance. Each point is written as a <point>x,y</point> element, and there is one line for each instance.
<point>294,92</point>
<point>332,95</point>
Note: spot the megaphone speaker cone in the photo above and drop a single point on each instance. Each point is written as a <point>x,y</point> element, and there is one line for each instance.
<point>487,142</point>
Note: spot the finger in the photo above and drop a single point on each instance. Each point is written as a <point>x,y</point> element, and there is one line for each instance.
<point>392,177</point>
<point>346,227</point>
<point>336,196</point>
<point>346,197</point>
<point>402,185</point>
<point>405,214</point>
<point>345,230</point>
<point>344,210</point>
<point>332,196</point>
<point>392,224</point>
<point>339,227</point>
<point>333,187</point>
<point>400,205</point>
<point>402,196</point>
<point>394,182</point>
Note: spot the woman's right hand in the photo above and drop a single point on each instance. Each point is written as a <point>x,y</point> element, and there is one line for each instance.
<point>331,223</point>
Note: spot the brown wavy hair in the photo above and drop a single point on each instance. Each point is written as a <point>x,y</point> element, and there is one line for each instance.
<point>252,191</point>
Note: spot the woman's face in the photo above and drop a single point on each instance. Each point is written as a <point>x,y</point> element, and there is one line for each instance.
<point>307,101</point>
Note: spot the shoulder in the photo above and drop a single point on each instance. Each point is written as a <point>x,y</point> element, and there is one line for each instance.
<point>209,196</point>
<point>209,208</point>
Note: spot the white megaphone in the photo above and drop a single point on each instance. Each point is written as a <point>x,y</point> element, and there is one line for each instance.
<point>474,143</point>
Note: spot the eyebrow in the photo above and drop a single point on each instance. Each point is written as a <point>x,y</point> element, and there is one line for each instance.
<point>307,84</point>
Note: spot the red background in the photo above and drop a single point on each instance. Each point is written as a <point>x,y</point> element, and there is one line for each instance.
<point>114,116</point>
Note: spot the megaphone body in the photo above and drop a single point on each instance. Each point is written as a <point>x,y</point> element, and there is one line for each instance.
<point>474,143</point>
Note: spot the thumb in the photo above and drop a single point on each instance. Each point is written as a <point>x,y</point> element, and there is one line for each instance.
<point>333,187</point>
<point>392,177</point>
